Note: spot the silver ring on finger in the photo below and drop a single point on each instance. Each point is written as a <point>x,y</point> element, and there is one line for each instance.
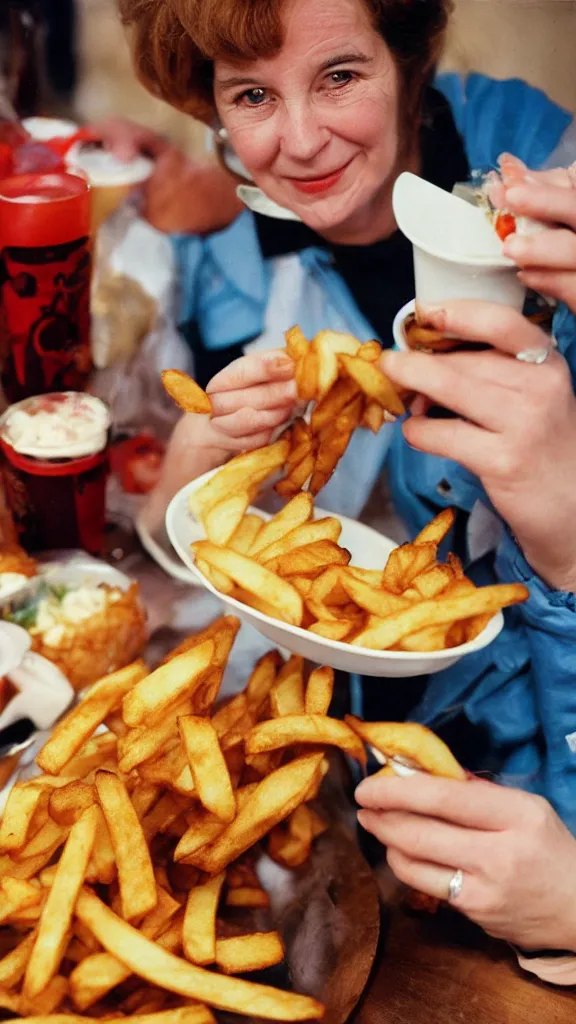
<point>455,885</point>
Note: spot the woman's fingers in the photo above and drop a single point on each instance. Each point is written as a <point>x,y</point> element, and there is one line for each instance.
<point>255,368</point>
<point>555,248</point>
<point>543,201</point>
<point>473,447</point>
<point>490,322</point>
<point>437,378</point>
<point>426,839</point>
<point>431,879</point>
<point>249,421</point>
<point>261,396</point>
<point>473,804</point>
<point>560,285</point>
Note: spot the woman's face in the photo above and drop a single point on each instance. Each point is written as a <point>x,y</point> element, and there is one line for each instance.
<point>316,125</point>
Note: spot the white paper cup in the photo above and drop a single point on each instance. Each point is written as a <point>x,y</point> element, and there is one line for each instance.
<point>457,253</point>
<point>398,325</point>
<point>111,180</point>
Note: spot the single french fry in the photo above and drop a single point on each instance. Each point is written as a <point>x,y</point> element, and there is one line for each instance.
<point>295,513</point>
<point>167,684</point>
<point>222,519</point>
<point>296,343</point>
<point>66,805</point>
<point>187,394</point>
<point>332,630</point>
<point>253,467</point>
<point>328,345</point>
<point>384,633</point>
<point>246,533</point>
<point>373,383</point>
<point>262,679</point>
<point>309,560</point>
<point>56,919</point>
<point>319,691</point>
<point>435,531</point>
<point>376,601</point>
<point>18,812</point>
<point>297,477</point>
<point>208,767</point>
<point>328,528</point>
<point>296,729</point>
<point>135,872</point>
<point>326,411</point>
<point>255,578</point>
<point>199,930</point>
<point>71,732</point>
<point>242,953</point>
<point>412,742</point>
<point>250,897</point>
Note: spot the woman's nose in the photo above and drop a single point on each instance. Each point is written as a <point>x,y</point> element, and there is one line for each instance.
<point>303,135</point>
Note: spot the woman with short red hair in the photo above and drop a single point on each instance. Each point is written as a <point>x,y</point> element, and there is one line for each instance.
<point>322,104</point>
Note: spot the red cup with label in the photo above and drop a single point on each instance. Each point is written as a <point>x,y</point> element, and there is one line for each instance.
<point>45,263</point>
<point>55,467</point>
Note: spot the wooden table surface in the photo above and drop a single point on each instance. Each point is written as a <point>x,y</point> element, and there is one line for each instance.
<point>440,969</point>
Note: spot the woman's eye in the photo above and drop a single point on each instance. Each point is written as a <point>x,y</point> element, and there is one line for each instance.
<point>254,97</point>
<point>341,77</point>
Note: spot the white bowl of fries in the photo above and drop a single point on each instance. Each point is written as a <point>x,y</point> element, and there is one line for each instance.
<point>367,553</point>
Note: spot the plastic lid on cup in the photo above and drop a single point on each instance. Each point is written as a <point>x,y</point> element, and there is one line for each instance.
<point>103,169</point>
<point>61,425</point>
<point>43,129</point>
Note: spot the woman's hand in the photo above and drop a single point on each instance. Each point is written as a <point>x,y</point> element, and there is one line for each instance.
<point>517,858</point>
<point>547,259</point>
<point>251,398</point>
<point>518,427</point>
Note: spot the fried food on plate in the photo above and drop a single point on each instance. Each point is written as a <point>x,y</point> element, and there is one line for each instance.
<point>87,630</point>
<point>169,863</point>
<point>295,570</point>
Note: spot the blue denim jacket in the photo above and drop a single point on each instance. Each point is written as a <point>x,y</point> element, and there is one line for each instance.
<point>522,688</point>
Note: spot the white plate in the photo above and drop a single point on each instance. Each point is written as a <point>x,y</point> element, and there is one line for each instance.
<point>369,550</point>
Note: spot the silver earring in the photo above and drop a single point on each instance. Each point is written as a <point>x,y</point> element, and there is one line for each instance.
<point>223,135</point>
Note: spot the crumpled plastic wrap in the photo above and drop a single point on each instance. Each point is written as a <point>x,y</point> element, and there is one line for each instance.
<point>134,333</point>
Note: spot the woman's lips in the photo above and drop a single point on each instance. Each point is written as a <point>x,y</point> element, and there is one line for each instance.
<point>312,186</point>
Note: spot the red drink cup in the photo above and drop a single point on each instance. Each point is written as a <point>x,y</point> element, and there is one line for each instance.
<point>45,260</point>
<point>55,465</point>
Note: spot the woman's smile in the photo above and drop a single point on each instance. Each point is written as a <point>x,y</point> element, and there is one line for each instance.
<point>320,183</point>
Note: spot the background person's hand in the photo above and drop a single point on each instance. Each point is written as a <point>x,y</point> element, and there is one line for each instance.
<point>127,139</point>
<point>517,858</point>
<point>517,430</point>
<point>190,196</point>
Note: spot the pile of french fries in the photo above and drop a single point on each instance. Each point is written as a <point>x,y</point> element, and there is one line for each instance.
<point>341,376</point>
<point>292,568</point>
<point>121,864</point>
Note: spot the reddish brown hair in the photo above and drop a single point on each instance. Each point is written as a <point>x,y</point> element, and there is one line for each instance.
<point>175,42</point>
